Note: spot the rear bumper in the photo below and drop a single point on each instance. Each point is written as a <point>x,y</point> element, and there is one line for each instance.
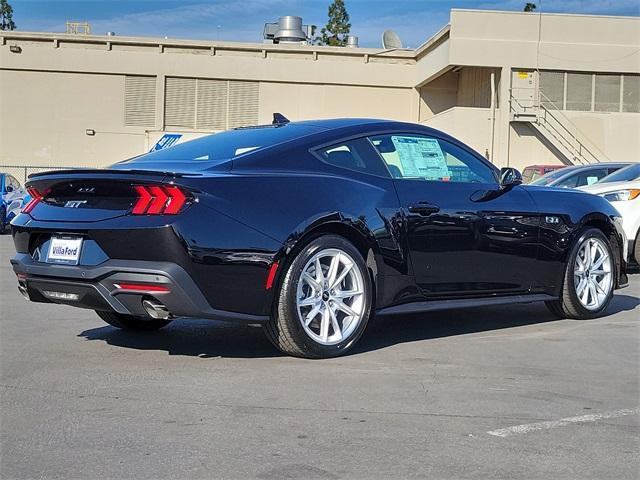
<point>96,287</point>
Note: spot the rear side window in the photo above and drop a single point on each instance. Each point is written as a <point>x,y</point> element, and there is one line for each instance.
<point>217,148</point>
<point>357,154</point>
<point>419,157</point>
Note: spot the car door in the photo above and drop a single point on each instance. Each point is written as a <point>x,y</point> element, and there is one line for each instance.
<point>465,235</point>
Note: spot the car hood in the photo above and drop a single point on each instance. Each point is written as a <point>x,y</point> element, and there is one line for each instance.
<point>598,188</point>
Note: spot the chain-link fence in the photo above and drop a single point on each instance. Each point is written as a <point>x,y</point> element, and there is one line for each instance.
<point>22,172</point>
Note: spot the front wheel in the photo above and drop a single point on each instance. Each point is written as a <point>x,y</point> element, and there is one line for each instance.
<point>589,278</point>
<point>130,322</point>
<point>324,301</point>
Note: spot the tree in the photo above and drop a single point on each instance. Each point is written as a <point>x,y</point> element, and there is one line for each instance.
<point>338,26</point>
<point>6,16</point>
<point>530,7</point>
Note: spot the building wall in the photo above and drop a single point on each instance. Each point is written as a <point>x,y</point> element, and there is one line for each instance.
<point>45,116</point>
<point>58,86</point>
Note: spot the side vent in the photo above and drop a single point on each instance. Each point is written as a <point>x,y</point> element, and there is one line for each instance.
<point>243,103</point>
<point>210,104</point>
<point>180,102</point>
<point>139,101</point>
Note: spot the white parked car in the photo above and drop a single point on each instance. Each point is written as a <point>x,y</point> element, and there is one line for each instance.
<point>622,189</point>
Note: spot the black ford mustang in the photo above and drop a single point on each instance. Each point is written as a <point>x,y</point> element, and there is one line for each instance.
<point>310,228</point>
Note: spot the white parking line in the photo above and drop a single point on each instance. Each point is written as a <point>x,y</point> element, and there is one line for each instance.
<point>532,427</point>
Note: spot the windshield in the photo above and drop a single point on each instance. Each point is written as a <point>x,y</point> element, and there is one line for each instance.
<point>626,174</point>
<point>217,148</point>
<point>551,176</point>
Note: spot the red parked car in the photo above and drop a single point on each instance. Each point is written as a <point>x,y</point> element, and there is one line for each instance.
<point>532,172</point>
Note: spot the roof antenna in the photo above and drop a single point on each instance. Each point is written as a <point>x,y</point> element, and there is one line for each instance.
<point>279,119</point>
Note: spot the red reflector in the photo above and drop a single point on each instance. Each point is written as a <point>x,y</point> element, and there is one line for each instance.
<point>36,196</point>
<point>176,200</point>
<point>144,199</point>
<point>140,287</point>
<point>21,276</point>
<point>271,276</point>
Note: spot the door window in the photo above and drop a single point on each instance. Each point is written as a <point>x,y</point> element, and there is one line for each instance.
<point>425,158</point>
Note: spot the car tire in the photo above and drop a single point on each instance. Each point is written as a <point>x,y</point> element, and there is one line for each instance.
<point>636,248</point>
<point>320,315</point>
<point>582,274</point>
<point>133,323</point>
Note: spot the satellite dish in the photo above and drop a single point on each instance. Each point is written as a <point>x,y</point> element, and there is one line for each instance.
<point>390,39</point>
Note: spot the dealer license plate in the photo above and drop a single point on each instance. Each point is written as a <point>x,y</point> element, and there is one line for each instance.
<point>64,250</point>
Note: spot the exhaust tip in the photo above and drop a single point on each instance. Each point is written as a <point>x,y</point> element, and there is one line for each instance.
<point>155,309</point>
<point>23,290</point>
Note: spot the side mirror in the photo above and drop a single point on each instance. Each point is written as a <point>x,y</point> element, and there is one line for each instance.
<point>509,177</point>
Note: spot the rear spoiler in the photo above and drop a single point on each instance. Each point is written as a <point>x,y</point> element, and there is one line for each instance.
<point>108,171</point>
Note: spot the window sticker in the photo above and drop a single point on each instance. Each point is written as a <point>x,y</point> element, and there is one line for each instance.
<point>592,180</point>
<point>421,157</point>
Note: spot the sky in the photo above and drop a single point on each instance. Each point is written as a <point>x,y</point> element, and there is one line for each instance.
<point>243,20</point>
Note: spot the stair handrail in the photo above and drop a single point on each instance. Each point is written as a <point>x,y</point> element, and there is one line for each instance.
<point>542,96</point>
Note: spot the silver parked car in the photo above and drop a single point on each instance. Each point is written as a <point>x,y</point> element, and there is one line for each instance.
<point>579,175</point>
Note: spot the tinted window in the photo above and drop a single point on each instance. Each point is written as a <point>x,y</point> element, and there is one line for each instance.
<point>419,157</point>
<point>14,183</point>
<point>626,174</point>
<point>581,179</point>
<point>356,154</point>
<point>551,176</point>
<point>215,149</point>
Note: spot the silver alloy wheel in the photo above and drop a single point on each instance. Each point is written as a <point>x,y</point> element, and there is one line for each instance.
<point>330,297</point>
<point>592,274</point>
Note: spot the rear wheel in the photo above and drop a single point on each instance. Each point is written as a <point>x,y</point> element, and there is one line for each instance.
<point>589,278</point>
<point>130,322</point>
<point>324,301</point>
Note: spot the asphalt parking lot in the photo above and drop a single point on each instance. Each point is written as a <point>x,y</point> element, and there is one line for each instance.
<point>503,392</point>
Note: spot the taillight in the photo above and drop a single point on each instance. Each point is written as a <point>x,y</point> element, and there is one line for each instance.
<point>158,200</point>
<point>36,196</point>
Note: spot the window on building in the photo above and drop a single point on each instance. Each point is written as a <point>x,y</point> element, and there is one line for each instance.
<point>210,104</point>
<point>631,94</point>
<point>607,93</point>
<point>418,157</point>
<point>552,89</point>
<point>579,90</point>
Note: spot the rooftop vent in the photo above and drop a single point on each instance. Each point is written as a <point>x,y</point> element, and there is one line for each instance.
<point>352,41</point>
<point>289,29</point>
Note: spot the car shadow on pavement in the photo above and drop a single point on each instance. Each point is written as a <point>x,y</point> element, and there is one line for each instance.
<point>210,339</point>
<point>196,338</point>
<point>391,330</point>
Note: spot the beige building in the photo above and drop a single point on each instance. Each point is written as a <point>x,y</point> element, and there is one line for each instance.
<point>520,88</point>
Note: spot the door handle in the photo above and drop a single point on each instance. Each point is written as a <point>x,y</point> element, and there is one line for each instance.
<point>423,208</point>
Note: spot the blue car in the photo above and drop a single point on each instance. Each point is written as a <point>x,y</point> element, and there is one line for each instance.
<point>12,198</point>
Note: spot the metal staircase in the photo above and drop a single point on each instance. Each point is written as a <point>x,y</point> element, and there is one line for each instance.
<point>555,127</point>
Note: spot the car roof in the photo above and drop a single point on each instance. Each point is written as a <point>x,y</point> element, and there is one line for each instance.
<point>583,168</point>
